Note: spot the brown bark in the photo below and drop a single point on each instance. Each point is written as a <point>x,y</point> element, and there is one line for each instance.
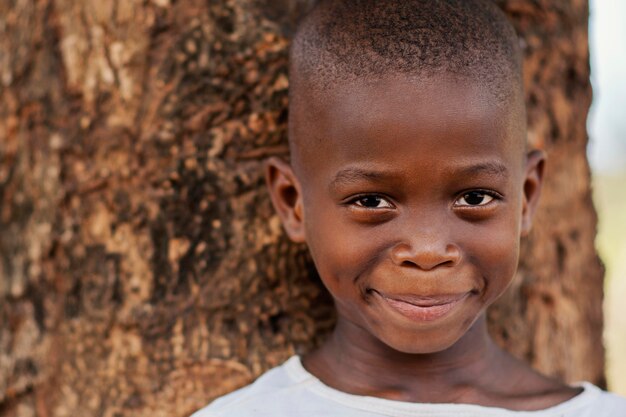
<point>142,270</point>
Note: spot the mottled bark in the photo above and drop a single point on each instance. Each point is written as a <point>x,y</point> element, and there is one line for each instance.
<point>142,270</point>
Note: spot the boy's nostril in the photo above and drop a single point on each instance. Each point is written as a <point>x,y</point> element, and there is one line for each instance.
<point>427,266</point>
<point>409,264</point>
<point>425,257</point>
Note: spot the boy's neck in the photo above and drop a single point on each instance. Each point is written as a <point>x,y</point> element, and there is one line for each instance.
<point>470,371</point>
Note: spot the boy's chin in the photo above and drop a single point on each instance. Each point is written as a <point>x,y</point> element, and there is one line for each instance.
<point>421,344</point>
<point>431,341</point>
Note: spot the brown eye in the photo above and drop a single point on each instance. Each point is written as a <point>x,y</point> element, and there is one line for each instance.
<point>474,198</point>
<point>373,202</point>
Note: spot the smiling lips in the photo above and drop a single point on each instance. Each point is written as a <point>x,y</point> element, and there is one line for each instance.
<point>422,308</point>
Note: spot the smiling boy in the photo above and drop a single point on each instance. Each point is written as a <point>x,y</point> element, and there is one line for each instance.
<point>411,184</point>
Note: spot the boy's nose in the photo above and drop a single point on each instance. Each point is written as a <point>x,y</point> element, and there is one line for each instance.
<point>426,254</point>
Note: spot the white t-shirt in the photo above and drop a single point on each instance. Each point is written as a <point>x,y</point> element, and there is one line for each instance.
<point>291,391</point>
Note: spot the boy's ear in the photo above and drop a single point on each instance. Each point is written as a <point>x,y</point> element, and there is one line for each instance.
<point>286,197</point>
<point>535,162</point>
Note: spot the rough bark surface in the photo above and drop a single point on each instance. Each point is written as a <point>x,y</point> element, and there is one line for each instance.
<point>142,270</point>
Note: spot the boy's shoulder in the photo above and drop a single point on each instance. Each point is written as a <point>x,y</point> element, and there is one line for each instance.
<point>289,391</point>
<point>606,404</point>
<point>268,392</point>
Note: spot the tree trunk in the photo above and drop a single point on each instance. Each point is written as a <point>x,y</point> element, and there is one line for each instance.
<point>142,270</point>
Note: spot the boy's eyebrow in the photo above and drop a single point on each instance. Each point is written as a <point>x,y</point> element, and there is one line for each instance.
<point>492,168</point>
<point>350,175</point>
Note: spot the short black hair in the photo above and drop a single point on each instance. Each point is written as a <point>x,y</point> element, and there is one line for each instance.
<point>348,40</point>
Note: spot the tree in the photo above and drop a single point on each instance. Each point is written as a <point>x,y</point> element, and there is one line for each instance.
<point>142,269</point>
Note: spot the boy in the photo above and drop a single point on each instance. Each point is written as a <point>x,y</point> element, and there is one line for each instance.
<point>411,185</point>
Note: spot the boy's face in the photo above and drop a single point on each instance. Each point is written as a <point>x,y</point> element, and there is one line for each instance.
<point>412,197</point>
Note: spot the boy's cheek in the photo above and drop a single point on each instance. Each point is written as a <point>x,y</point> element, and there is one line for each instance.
<point>336,247</point>
<point>341,251</point>
<point>495,256</point>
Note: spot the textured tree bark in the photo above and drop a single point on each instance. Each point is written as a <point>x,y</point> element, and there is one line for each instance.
<point>142,270</point>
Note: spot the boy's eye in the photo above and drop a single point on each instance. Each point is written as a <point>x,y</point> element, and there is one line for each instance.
<point>372,201</point>
<point>474,198</point>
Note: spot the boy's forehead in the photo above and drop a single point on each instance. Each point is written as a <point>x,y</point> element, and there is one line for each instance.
<point>400,105</point>
<point>432,97</point>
